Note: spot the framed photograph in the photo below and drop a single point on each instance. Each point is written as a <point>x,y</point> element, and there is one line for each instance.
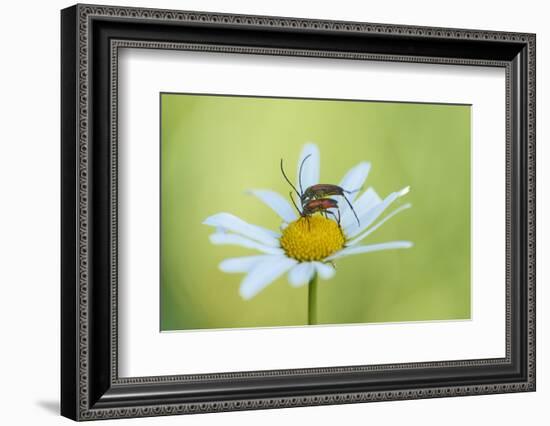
<point>263,212</point>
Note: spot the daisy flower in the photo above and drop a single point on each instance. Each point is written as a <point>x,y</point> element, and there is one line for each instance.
<point>305,247</point>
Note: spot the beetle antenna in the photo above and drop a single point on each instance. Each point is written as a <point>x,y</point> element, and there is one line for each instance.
<point>354,191</point>
<point>294,202</point>
<point>288,180</point>
<point>352,209</point>
<point>300,172</point>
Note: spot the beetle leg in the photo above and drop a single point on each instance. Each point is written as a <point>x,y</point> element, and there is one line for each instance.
<point>336,217</point>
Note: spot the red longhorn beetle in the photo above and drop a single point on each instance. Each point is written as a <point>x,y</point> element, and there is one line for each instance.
<point>318,206</point>
<point>321,206</point>
<point>314,198</point>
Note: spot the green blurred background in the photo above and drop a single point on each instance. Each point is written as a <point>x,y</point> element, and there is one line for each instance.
<point>213,148</point>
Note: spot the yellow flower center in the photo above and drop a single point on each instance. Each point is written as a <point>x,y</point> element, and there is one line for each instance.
<point>312,238</point>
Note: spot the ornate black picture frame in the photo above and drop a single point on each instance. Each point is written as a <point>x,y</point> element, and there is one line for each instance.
<point>91,387</point>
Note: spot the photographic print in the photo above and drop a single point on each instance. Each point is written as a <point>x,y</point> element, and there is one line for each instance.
<point>346,208</point>
<point>299,212</point>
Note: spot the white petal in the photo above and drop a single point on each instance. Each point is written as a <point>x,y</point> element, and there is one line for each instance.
<point>375,227</point>
<point>354,179</point>
<point>311,168</point>
<point>348,251</point>
<point>239,240</point>
<point>241,264</point>
<point>325,270</point>
<point>263,274</point>
<point>277,202</point>
<point>232,223</point>
<point>366,201</point>
<point>300,274</point>
<point>367,218</point>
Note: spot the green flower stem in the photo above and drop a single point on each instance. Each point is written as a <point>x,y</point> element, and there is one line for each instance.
<point>312,301</point>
